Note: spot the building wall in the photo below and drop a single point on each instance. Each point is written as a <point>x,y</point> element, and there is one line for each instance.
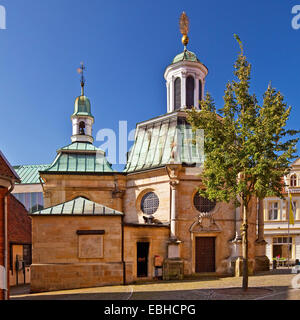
<point>19,229</point>
<point>137,186</point>
<point>27,188</point>
<point>223,216</point>
<point>297,247</point>
<point>281,227</point>
<point>157,238</point>
<point>19,222</point>
<point>2,240</point>
<point>269,249</point>
<point>97,188</point>
<point>19,234</point>
<point>56,263</point>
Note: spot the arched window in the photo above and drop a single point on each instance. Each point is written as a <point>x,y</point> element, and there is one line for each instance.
<point>293,180</point>
<point>203,204</point>
<point>200,92</point>
<point>177,93</point>
<point>190,87</point>
<point>82,128</point>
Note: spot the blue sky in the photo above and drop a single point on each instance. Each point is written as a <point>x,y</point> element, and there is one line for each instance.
<point>126,46</point>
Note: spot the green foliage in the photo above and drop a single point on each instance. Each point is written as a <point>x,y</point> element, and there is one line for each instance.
<point>248,149</point>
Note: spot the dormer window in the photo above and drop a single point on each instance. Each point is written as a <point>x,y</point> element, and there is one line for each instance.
<point>293,180</point>
<point>190,88</point>
<point>82,128</point>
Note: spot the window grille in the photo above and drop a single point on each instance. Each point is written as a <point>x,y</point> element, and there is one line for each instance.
<point>150,203</point>
<point>203,204</point>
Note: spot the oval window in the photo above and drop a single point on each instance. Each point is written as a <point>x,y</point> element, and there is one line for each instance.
<point>203,204</point>
<point>150,203</point>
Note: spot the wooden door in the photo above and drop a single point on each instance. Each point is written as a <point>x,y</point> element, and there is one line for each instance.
<point>205,254</point>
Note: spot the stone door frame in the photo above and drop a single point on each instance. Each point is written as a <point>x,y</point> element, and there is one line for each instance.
<point>195,235</point>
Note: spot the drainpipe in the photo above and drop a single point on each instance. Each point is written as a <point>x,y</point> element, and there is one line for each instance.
<point>11,188</point>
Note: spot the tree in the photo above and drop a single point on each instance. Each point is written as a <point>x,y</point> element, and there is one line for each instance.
<point>248,149</point>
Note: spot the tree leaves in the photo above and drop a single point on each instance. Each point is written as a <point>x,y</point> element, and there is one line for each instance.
<point>247,146</point>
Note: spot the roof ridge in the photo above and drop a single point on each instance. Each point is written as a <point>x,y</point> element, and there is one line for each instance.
<point>85,203</point>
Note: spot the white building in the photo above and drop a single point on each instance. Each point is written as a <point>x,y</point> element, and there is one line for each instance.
<point>283,240</point>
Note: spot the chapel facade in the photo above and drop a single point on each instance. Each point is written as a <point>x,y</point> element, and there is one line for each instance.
<point>101,227</point>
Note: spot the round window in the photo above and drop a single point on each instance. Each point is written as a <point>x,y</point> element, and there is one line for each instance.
<point>203,204</point>
<point>150,203</point>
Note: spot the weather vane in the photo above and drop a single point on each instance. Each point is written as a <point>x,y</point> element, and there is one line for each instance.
<point>184,25</point>
<point>81,71</point>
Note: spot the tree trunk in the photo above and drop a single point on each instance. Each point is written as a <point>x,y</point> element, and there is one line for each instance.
<point>245,248</point>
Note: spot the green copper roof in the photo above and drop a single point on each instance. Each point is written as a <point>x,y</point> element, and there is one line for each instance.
<point>154,144</point>
<point>80,157</point>
<point>81,146</point>
<point>79,206</point>
<point>82,106</point>
<point>186,56</point>
<point>30,174</point>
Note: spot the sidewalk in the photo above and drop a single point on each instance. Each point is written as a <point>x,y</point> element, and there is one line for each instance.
<point>264,286</point>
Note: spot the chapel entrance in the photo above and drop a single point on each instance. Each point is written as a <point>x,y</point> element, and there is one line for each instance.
<point>142,259</point>
<point>205,254</point>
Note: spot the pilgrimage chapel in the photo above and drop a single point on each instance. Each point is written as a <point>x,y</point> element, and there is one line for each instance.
<point>102,227</point>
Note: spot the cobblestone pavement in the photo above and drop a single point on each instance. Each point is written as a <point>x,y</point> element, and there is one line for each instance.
<point>264,286</point>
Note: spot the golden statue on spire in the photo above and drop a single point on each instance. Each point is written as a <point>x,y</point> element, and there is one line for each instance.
<point>184,25</point>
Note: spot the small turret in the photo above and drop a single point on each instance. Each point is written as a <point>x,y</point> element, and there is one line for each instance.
<point>82,118</point>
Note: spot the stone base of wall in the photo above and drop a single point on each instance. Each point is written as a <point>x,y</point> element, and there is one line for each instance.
<point>238,267</point>
<point>52,277</point>
<point>129,272</point>
<point>262,263</point>
<point>173,269</point>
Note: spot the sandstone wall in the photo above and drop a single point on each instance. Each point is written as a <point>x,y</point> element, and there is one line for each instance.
<point>56,262</point>
<point>97,188</point>
<point>137,186</point>
<point>157,238</point>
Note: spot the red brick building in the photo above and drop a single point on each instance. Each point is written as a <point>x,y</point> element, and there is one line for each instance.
<point>19,242</point>
<point>15,225</point>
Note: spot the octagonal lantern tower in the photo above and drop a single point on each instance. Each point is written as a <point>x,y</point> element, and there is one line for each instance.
<point>185,79</point>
